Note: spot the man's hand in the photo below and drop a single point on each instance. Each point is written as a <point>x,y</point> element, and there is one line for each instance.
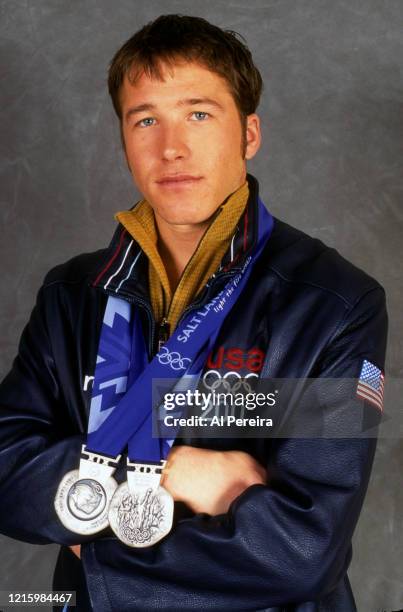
<point>207,480</point>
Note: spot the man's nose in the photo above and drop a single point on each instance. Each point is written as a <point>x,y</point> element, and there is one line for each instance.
<point>173,144</point>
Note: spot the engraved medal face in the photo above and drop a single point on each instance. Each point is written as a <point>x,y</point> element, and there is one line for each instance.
<point>82,503</point>
<point>141,518</point>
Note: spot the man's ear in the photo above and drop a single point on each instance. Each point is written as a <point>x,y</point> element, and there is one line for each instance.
<point>253,135</point>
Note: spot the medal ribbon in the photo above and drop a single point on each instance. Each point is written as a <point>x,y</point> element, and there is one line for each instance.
<point>121,404</point>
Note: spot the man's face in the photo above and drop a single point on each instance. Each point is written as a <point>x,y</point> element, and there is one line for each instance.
<point>183,141</point>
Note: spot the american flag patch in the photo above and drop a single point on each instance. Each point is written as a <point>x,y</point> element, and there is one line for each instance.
<point>371,384</point>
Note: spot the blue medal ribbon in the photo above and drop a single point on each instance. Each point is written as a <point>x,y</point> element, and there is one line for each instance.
<point>121,404</point>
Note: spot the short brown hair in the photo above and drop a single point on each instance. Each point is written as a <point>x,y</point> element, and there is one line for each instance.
<point>194,39</point>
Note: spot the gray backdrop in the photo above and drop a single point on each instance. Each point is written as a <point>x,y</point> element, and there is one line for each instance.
<point>330,164</point>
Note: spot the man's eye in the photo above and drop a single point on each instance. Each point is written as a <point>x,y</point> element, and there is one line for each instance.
<point>200,115</point>
<point>146,122</point>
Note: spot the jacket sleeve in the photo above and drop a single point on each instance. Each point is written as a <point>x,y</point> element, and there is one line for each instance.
<point>36,446</point>
<point>287,542</point>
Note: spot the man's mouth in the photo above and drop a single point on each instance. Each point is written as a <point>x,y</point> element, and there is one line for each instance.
<point>178,180</point>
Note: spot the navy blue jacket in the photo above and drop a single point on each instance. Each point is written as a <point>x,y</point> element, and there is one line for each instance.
<point>306,312</point>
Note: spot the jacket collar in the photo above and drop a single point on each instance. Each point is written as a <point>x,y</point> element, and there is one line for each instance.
<point>124,269</point>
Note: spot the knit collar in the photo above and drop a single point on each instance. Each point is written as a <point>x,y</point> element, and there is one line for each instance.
<point>123,271</point>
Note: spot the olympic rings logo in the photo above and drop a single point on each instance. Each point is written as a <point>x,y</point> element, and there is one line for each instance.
<point>213,380</point>
<point>174,359</point>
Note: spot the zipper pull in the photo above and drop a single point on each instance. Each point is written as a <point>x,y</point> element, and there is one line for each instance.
<point>163,333</point>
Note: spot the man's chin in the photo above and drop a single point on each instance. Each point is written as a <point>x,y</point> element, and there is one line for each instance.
<point>186,220</point>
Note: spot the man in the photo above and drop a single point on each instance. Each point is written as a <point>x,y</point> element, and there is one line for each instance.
<point>260,524</point>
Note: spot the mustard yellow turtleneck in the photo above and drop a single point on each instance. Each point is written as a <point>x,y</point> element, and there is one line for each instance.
<point>140,223</point>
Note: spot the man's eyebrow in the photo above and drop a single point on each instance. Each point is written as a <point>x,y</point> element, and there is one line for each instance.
<point>204,100</point>
<point>141,108</point>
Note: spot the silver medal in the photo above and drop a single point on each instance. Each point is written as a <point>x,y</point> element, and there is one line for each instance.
<point>141,512</point>
<point>83,496</point>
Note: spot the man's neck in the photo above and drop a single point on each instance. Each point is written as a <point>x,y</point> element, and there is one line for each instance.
<point>176,245</point>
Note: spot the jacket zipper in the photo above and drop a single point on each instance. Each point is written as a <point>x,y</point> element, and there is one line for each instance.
<point>163,332</point>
